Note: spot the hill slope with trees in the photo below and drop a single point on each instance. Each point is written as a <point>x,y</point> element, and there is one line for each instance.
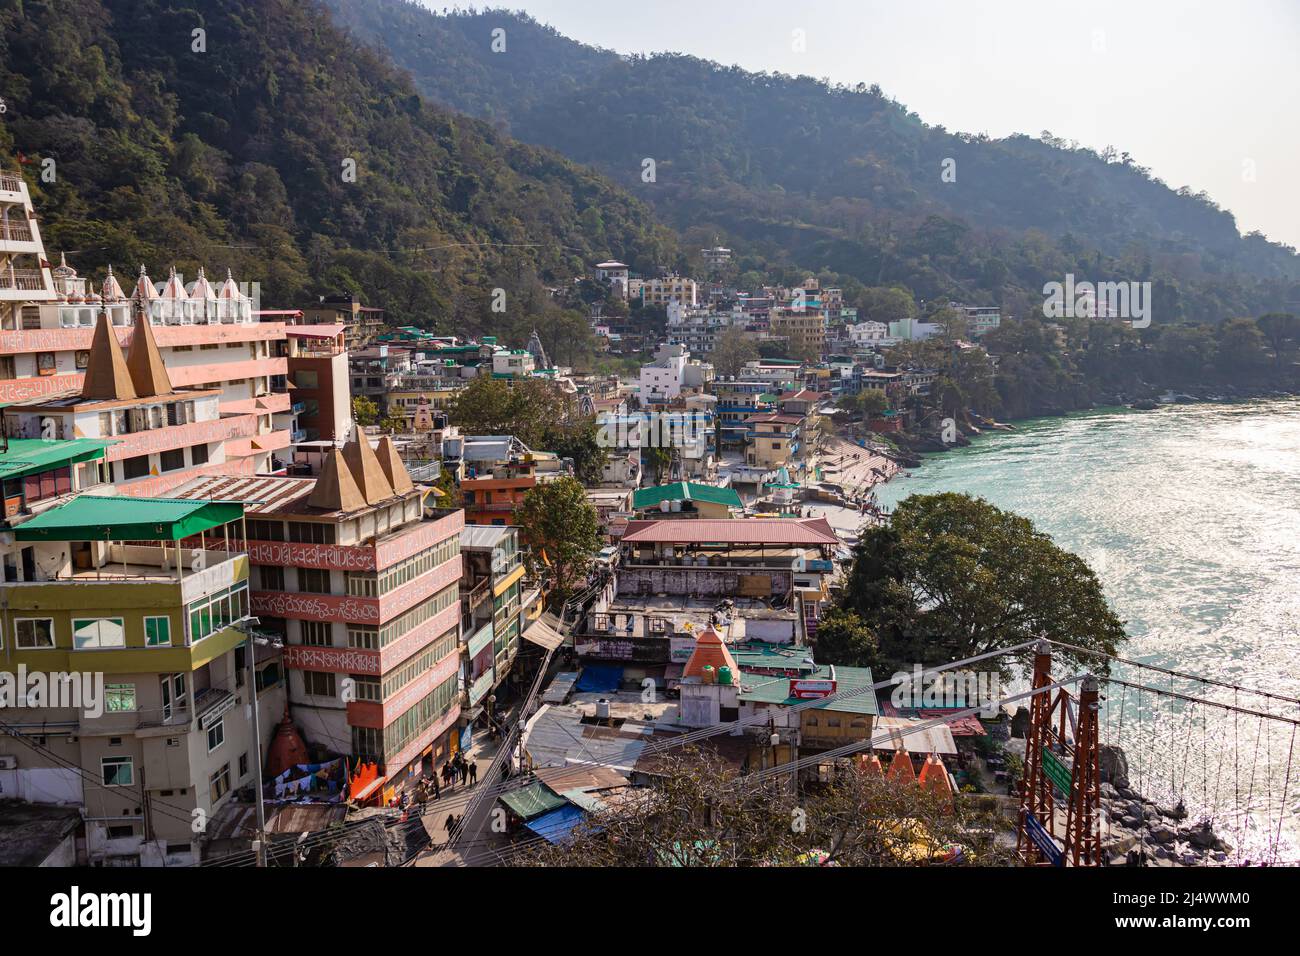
<point>232,147</point>
<point>794,172</point>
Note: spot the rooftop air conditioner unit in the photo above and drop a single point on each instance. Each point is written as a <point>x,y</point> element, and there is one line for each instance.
<point>8,762</point>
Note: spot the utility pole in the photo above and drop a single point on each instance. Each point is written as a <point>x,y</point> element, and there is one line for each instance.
<point>245,627</point>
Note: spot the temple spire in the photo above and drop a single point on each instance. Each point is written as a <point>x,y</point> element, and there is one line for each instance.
<point>107,376</point>
<point>366,469</point>
<point>144,362</point>
<point>394,469</point>
<point>336,489</point>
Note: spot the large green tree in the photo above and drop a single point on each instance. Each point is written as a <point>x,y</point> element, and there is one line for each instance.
<point>952,576</point>
<point>528,408</point>
<point>731,351</point>
<point>844,638</point>
<point>562,529</point>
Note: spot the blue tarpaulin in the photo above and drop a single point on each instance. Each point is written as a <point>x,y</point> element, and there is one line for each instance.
<point>599,679</point>
<point>556,826</point>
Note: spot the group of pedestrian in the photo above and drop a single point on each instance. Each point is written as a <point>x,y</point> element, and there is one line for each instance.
<point>459,770</point>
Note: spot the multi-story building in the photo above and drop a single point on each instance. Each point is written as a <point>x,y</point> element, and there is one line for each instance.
<point>980,318</point>
<point>25,279</point>
<point>145,718</point>
<point>737,401</point>
<point>774,440</point>
<point>207,338</point>
<point>161,435</point>
<point>318,368</point>
<point>804,329</point>
<point>363,584</point>
<point>665,289</point>
<point>498,471</point>
<point>671,373</point>
<point>497,603</point>
<point>362,323</point>
<point>715,257</point>
<point>614,274</point>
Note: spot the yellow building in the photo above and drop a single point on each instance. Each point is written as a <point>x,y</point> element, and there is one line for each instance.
<point>805,330</point>
<point>774,440</point>
<point>127,679</point>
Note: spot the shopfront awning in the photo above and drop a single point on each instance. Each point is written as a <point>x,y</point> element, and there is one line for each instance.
<point>545,632</point>
<point>532,801</point>
<point>558,825</point>
<point>91,518</point>
<point>599,679</point>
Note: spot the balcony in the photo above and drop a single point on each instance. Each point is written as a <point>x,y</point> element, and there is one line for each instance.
<point>11,183</point>
<point>22,280</point>
<point>480,687</point>
<point>15,232</point>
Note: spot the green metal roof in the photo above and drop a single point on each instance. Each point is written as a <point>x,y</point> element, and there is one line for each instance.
<point>30,455</point>
<point>760,654</point>
<point>532,801</point>
<point>685,491</point>
<point>760,688</point>
<point>91,518</point>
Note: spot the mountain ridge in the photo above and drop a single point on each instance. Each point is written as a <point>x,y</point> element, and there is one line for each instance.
<point>757,155</point>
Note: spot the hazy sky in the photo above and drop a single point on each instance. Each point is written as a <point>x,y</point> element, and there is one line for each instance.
<point>1205,94</point>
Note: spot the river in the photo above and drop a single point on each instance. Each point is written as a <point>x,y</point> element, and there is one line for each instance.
<point>1190,516</point>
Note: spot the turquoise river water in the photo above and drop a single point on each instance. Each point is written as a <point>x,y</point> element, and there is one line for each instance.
<point>1190,516</point>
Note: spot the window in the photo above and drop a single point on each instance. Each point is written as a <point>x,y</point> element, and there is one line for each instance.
<point>199,454</point>
<point>217,736</point>
<point>173,459</point>
<point>243,765</point>
<point>318,683</point>
<point>219,783</point>
<point>316,633</point>
<point>119,698</point>
<point>306,379</point>
<point>96,633</point>
<point>136,467</point>
<point>34,633</point>
<point>311,533</point>
<point>117,771</point>
<point>314,580</point>
<point>157,631</point>
<point>214,613</point>
<point>272,577</point>
<point>265,530</point>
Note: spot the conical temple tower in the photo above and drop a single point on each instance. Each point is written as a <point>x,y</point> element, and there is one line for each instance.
<point>107,376</point>
<point>366,469</point>
<point>143,360</point>
<point>393,466</point>
<point>336,489</point>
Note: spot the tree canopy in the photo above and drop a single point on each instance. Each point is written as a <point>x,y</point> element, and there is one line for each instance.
<point>563,530</point>
<point>952,576</point>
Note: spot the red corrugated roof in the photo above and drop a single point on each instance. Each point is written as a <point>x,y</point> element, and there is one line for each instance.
<point>731,531</point>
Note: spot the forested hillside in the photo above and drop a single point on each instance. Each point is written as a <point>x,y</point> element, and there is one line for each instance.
<point>233,147</point>
<point>795,173</point>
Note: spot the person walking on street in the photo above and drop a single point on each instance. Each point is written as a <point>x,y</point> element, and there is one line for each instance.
<point>451,822</point>
<point>473,773</point>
